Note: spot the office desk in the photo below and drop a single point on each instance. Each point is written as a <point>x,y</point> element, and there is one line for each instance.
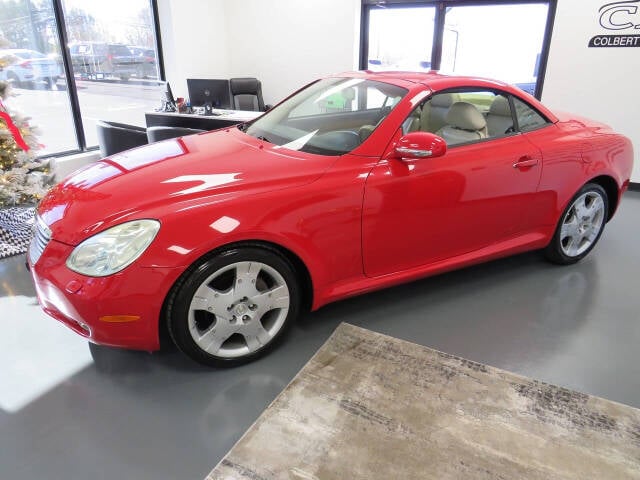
<point>203,122</point>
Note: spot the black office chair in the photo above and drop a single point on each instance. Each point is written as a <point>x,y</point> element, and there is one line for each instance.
<point>246,94</point>
<point>116,137</point>
<point>155,134</point>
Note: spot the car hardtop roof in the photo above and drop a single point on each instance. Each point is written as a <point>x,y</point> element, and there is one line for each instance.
<point>437,81</point>
<point>433,79</point>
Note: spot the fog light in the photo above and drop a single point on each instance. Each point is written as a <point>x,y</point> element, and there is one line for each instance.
<point>119,318</point>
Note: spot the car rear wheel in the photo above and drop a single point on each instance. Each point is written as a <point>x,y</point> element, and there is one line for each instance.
<point>234,307</point>
<point>580,226</point>
<point>14,79</point>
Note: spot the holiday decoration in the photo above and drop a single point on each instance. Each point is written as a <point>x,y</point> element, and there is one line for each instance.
<point>15,230</point>
<point>24,178</point>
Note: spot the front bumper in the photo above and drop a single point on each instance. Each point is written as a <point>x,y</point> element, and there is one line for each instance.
<point>83,303</point>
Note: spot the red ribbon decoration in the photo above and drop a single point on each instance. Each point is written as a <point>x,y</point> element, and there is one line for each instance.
<point>15,131</point>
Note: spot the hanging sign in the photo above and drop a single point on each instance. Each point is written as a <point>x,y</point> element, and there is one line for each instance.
<point>620,17</point>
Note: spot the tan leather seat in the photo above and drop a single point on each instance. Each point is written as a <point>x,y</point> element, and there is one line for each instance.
<point>465,123</point>
<point>434,112</point>
<point>499,118</point>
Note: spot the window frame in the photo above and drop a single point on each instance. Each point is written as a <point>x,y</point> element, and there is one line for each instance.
<point>439,26</point>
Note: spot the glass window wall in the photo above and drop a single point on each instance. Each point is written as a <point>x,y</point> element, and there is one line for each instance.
<point>113,59</point>
<point>495,39</point>
<point>33,66</point>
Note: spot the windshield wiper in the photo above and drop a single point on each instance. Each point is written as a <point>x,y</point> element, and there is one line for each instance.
<point>263,138</point>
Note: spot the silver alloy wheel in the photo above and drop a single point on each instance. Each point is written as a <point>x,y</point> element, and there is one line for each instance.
<point>582,224</point>
<point>238,309</point>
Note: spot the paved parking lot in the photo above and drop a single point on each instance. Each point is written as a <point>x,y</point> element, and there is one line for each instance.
<point>50,110</point>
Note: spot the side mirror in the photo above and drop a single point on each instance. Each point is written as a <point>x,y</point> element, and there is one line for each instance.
<point>416,145</point>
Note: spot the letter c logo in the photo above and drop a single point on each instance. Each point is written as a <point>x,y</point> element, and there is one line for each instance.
<point>609,15</point>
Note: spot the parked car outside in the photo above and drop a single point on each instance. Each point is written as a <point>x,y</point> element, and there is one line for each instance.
<point>31,67</point>
<point>97,60</point>
<point>225,238</point>
<point>149,66</point>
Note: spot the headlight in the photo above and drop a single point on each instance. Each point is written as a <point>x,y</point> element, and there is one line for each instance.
<point>114,249</point>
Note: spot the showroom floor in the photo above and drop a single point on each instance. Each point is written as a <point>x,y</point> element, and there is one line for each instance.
<point>132,415</point>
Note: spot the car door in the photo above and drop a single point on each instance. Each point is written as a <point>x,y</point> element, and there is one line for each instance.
<point>423,211</point>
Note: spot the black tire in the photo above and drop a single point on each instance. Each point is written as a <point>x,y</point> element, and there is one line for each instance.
<point>240,322</point>
<point>15,81</point>
<point>560,250</point>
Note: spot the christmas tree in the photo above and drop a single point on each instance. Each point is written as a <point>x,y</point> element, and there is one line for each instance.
<point>24,179</point>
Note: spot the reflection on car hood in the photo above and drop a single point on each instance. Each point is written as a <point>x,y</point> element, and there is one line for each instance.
<point>214,166</point>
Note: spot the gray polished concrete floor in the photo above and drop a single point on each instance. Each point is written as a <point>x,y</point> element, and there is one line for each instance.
<point>131,415</point>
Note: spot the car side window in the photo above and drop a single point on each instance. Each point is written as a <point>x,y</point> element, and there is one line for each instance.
<point>463,117</point>
<point>528,118</point>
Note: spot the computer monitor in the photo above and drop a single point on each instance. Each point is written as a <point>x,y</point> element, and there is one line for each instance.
<point>214,92</point>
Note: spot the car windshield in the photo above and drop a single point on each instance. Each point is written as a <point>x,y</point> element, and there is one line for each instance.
<point>330,117</point>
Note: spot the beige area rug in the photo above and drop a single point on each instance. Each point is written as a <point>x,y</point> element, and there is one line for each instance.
<point>368,406</point>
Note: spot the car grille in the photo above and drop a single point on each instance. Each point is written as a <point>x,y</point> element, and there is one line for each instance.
<point>41,237</point>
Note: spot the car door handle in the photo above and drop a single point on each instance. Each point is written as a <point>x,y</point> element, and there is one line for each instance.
<point>526,162</point>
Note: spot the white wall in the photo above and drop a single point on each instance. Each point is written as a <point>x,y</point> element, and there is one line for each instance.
<point>288,43</point>
<point>194,41</point>
<point>600,83</point>
<point>284,43</point>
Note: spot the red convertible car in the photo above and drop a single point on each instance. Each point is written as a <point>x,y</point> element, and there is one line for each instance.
<point>356,182</point>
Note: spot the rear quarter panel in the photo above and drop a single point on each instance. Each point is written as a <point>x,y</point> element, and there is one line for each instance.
<point>573,155</point>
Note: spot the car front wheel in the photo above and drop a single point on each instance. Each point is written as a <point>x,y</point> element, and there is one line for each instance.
<point>580,226</point>
<point>233,307</point>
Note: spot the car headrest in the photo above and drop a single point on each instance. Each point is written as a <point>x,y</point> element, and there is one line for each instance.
<point>349,93</point>
<point>500,106</point>
<point>465,116</point>
<point>444,99</point>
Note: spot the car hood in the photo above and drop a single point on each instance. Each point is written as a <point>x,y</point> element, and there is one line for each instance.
<point>164,176</point>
